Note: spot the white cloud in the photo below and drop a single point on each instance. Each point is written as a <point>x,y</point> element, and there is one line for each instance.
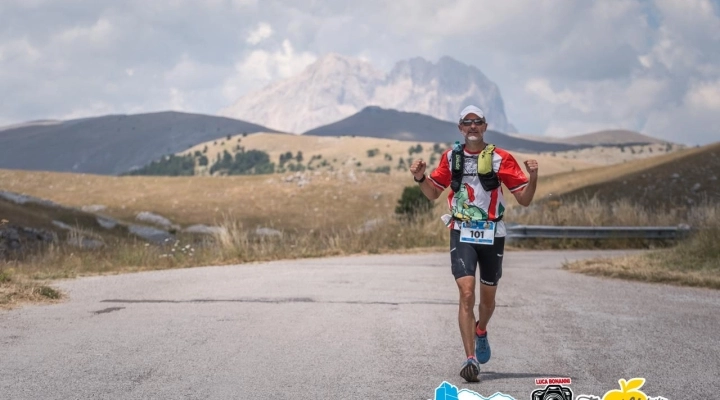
<point>91,110</point>
<point>241,4</point>
<point>99,33</point>
<point>177,100</point>
<point>262,32</point>
<point>695,120</point>
<point>188,73</point>
<point>562,66</point>
<point>704,96</point>
<point>576,100</point>
<point>261,67</point>
<point>20,51</point>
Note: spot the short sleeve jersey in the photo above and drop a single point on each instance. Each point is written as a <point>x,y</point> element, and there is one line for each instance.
<point>472,198</point>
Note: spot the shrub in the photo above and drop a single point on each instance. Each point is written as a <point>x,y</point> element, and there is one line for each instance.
<point>413,203</point>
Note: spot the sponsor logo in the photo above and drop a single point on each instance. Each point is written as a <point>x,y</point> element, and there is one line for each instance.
<point>629,390</point>
<point>447,391</point>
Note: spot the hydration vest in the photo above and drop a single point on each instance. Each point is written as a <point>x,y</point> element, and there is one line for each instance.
<point>488,177</point>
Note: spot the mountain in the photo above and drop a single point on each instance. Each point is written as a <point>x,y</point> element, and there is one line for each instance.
<point>336,86</point>
<point>377,122</point>
<point>615,137</point>
<point>110,144</point>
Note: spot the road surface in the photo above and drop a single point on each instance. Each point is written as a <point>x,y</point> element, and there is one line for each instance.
<point>360,327</point>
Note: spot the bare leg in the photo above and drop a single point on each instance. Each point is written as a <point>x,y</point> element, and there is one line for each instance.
<point>487,305</point>
<point>466,315</point>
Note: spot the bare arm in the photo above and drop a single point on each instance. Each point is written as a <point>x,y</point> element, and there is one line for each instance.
<point>524,197</point>
<point>430,191</point>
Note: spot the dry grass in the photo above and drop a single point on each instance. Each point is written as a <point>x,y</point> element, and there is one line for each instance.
<point>24,281</point>
<point>16,290</point>
<point>594,212</point>
<point>329,214</point>
<point>325,198</point>
<point>693,262</point>
<point>550,186</point>
<point>343,153</point>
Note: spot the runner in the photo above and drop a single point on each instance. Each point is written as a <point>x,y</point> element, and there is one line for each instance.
<point>477,232</point>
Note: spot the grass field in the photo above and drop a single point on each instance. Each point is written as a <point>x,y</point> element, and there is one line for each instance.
<point>345,153</point>
<point>306,200</point>
<point>317,213</point>
<point>694,262</point>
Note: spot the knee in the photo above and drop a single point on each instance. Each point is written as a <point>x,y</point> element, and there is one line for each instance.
<point>490,304</point>
<point>467,298</point>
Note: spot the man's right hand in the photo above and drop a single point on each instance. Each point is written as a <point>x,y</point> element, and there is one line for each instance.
<point>417,168</point>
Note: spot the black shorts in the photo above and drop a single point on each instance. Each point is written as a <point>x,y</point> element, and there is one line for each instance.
<point>465,257</point>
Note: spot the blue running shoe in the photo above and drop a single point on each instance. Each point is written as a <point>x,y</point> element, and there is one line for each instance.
<point>470,370</point>
<point>482,348</point>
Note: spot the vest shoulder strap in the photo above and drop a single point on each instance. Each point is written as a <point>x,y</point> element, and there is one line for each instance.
<point>488,177</point>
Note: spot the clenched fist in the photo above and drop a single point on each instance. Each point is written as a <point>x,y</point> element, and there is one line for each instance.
<point>417,168</point>
<point>532,167</point>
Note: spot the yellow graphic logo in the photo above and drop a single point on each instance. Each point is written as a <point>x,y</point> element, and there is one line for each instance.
<point>629,390</point>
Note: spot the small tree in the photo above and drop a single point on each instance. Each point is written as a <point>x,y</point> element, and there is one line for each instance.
<point>413,203</point>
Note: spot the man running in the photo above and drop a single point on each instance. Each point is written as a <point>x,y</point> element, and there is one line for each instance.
<point>474,173</point>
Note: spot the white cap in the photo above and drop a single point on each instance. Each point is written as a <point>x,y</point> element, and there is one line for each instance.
<point>471,110</point>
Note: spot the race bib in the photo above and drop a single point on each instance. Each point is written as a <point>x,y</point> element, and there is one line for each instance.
<point>480,232</point>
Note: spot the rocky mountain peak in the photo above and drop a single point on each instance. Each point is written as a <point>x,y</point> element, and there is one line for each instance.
<point>337,86</point>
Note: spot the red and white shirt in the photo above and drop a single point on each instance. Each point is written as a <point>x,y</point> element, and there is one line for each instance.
<point>492,202</point>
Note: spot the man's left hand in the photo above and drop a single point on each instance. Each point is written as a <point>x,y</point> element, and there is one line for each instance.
<point>532,168</point>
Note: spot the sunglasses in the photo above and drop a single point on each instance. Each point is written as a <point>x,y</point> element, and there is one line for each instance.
<point>468,122</point>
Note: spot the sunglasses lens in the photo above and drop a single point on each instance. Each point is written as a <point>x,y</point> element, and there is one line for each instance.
<point>468,122</point>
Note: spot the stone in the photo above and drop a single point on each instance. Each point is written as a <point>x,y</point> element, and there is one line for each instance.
<point>93,208</point>
<point>267,232</point>
<point>153,218</point>
<point>205,229</point>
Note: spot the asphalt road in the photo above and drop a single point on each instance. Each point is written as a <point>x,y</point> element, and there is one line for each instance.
<point>366,327</point>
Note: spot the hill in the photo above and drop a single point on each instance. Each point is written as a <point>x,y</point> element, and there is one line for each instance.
<point>110,144</point>
<point>613,137</point>
<point>359,153</point>
<point>344,197</point>
<point>409,126</point>
<point>617,137</point>
<point>336,86</point>
<point>681,182</point>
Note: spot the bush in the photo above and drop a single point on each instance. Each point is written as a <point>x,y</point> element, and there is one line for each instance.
<point>413,203</point>
<point>385,169</point>
<point>171,165</point>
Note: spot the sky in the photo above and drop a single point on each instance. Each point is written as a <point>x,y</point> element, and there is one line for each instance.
<point>563,67</point>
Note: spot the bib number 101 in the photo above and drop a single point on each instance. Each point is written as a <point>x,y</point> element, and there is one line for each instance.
<point>478,232</point>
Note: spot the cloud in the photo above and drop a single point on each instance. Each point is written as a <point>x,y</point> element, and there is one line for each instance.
<point>98,33</point>
<point>260,67</point>
<point>262,32</point>
<point>694,120</point>
<point>562,66</point>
